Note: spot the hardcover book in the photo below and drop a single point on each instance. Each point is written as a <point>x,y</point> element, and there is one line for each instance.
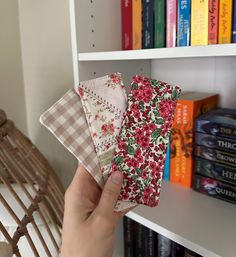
<point>171,17</point>
<point>137,24</point>
<point>213,19</point>
<point>215,170</point>
<point>140,235</point>
<point>164,246</point>
<point>150,243</point>
<point>222,143</point>
<point>129,226</point>
<point>215,188</point>
<point>225,21</point>
<point>183,21</point>
<point>219,156</point>
<point>189,106</point>
<point>177,250</point>
<point>147,24</point>
<point>126,9</point>
<point>159,23</point>
<point>199,22</point>
<point>219,122</point>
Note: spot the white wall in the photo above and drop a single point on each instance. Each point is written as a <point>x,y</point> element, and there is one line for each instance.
<point>12,98</point>
<point>47,71</point>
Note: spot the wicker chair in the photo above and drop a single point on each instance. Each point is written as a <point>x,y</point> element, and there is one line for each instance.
<point>31,197</point>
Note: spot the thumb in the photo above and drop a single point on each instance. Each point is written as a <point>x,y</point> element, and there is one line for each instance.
<point>110,193</point>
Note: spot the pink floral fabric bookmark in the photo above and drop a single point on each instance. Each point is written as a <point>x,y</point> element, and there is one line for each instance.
<point>104,101</point>
<point>142,143</point>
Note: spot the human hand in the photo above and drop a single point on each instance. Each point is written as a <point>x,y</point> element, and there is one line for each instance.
<point>89,218</point>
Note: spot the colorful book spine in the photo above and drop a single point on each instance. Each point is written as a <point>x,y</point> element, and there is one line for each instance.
<point>199,22</point>
<point>215,188</point>
<point>215,170</point>
<point>225,21</point>
<point>159,23</point>
<point>183,21</point>
<point>228,159</point>
<point>213,20</point>
<point>222,143</point>
<point>137,24</point>
<point>234,23</point>
<point>171,17</point>
<point>129,226</point>
<point>167,165</point>
<point>147,24</point>
<point>126,9</point>
<point>182,160</point>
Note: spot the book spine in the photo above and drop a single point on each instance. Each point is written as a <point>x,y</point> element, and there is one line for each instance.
<point>219,156</point>
<point>167,165</point>
<point>216,129</point>
<point>159,23</point>
<point>222,143</point>
<point>126,9</point>
<point>189,253</point>
<point>147,24</point>
<point>171,16</point>
<point>213,18</point>
<point>164,246</point>
<point>234,23</point>
<point>199,22</point>
<point>215,170</point>
<point>150,243</point>
<point>215,188</point>
<point>128,237</point>
<point>140,233</point>
<point>181,144</point>
<point>225,21</point>
<point>177,250</point>
<point>137,24</point>
<point>183,21</point>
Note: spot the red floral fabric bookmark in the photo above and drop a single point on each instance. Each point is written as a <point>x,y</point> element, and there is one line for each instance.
<point>143,139</point>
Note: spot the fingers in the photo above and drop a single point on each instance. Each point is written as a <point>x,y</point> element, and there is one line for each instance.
<point>110,193</point>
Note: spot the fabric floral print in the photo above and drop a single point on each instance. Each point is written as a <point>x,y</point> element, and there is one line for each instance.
<point>143,140</point>
<point>104,101</point>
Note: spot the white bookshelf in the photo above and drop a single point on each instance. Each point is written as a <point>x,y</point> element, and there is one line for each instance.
<point>161,53</point>
<point>198,222</point>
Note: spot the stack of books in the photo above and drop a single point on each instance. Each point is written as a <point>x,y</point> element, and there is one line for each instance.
<point>160,23</point>
<point>140,241</point>
<point>215,163</point>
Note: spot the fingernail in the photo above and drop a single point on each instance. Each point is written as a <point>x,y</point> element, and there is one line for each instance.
<point>117,177</point>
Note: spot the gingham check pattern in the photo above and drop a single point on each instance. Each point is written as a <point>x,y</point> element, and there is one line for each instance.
<point>67,121</point>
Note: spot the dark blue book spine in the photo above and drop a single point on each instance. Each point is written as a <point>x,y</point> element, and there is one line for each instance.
<point>147,24</point>
<point>234,23</point>
<point>183,23</point>
<point>215,170</point>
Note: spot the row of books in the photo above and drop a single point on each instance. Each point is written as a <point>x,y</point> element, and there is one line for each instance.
<point>170,23</point>
<point>140,241</point>
<point>215,154</point>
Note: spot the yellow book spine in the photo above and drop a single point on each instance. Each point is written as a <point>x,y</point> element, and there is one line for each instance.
<point>199,22</point>
<point>137,23</point>
<point>225,22</point>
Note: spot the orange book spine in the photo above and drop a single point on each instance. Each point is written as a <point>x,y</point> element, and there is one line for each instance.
<point>182,138</point>
<point>137,23</point>
<point>225,21</point>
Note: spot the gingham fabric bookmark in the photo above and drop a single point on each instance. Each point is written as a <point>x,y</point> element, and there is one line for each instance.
<point>66,120</point>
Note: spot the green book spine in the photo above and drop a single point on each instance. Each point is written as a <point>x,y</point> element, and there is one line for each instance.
<point>159,23</point>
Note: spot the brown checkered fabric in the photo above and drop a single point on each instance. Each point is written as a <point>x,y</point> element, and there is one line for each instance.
<point>67,121</point>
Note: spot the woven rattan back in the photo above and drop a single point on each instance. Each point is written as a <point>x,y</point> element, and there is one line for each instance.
<point>22,166</point>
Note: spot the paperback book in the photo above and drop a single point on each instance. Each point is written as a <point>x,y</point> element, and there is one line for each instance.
<point>219,122</point>
<point>127,34</point>
<point>215,170</point>
<point>147,24</point>
<point>159,23</point>
<point>171,17</point>
<point>215,188</point>
<point>213,20</point>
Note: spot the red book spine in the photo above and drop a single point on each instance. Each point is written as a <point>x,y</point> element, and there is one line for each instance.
<point>126,9</point>
<point>213,21</point>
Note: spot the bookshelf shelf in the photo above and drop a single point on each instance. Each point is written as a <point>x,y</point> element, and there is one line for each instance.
<point>161,53</point>
<point>201,223</point>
